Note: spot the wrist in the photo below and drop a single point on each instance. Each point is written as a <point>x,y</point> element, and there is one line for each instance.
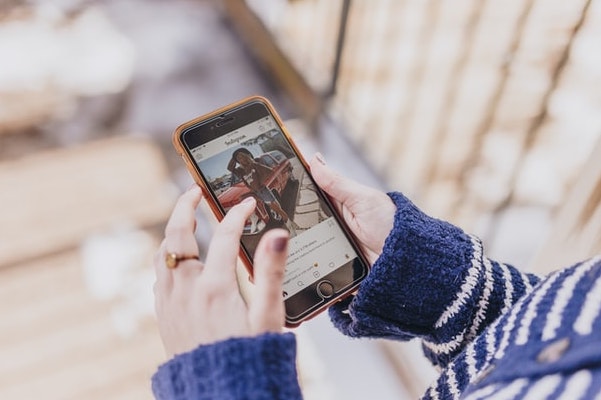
<point>263,366</point>
<point>412,280</point>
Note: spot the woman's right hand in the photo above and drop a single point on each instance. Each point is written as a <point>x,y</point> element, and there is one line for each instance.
<point>368,212</point>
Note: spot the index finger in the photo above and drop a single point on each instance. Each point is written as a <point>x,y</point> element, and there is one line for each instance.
<point>179,232</point>
<point>223,249</point>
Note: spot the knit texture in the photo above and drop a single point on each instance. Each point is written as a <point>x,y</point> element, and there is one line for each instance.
<point>547,346</point>
<point>259,368</point>
<point>431,282</point>
<point>495,332</point>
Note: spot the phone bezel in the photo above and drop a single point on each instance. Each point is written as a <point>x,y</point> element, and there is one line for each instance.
<point>308,301</point>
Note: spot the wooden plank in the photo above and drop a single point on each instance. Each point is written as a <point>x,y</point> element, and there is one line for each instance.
<point>572,124</point>
<point>576,231</point>
<point>533,75</point>
<point>22,110</point>
<point>52,200</point>
<point>372,67</point>
<point>133,386</point>
<point>473,102</point>
<point>306,32</point>
<point>77,380</point>
<point>410,156</point>
<point>66,347</point>
<point>252,30</point>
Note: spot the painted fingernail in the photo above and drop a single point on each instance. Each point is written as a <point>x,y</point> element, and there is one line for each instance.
<point>320,158</point>
<point>279,244</point>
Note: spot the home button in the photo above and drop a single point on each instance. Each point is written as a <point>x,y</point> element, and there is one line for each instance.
<point>325,289</point>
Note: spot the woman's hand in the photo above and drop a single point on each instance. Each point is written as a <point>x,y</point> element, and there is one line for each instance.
<point>368,212</point>
<point>200,303</point>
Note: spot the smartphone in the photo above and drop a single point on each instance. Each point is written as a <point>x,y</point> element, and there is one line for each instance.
<point>244,150</point>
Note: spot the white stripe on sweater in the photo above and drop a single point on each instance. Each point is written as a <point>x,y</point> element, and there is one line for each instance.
<point>508,328</point>
<point>577,386</point>
<point>447,347</point>
<point>481,393</point>
<point>470,360</point>
<point>526,282</point>
<point>508,288</point>
<point>491,341</point>
<point>511,391</point>
<point>483,303</point>
<point>433,393</point>
<point>543,388</point>
<point>467,287</point>
<point>562,298</point>
<point>478,319</point>
<point>452,381</point>
<point>531,311</point>
<point>470,352</point>
<point>590,310</point>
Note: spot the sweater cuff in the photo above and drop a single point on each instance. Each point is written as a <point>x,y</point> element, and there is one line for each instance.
<point>412,281</point>
<point>261,367</point>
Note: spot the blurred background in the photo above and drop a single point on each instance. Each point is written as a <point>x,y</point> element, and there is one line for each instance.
<point>486,114</point>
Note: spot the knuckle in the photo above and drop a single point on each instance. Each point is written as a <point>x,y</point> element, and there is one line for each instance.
<point>226,229</point>
<point>275,274</point>
<point>329,181</point>
<point>211,292</point>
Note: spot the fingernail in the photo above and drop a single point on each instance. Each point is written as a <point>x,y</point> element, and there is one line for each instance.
<point>320,158</point>
<point>279,244</point>
<point>248,200</point>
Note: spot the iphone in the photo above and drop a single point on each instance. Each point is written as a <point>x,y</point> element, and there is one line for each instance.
<point>244,150</point>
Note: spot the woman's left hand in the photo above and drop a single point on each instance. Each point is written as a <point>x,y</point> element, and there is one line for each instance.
<point>200,303</point>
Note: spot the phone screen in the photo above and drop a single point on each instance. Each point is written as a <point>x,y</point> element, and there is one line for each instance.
<point>248,155</point>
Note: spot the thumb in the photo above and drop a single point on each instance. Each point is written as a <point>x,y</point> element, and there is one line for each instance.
<point>266,307</point>
<point>340,188</point>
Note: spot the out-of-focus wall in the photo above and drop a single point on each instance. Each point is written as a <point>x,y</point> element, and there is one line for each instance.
<point>480,111</point>
<point>90,92</point>
<point>486,113</point>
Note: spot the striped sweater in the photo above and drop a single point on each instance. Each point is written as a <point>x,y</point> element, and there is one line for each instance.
<point>493,331</point>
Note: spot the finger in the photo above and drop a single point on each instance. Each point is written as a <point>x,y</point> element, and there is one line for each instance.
<point>179,232</point>
<point>223,250</point>
<point>266,306</point>
<point>340,188</point>
<point>163,275</point>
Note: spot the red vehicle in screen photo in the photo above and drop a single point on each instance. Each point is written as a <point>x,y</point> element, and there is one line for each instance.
<point>277,181</point>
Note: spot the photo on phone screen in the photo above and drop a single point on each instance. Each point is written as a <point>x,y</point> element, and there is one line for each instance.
<point>255,159</point>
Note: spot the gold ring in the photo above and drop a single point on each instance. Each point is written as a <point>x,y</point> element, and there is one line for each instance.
<point>172,259</point>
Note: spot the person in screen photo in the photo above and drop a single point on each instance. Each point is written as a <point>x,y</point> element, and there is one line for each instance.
<point>254,175</point>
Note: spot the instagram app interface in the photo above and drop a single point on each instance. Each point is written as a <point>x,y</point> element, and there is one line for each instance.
<point>256,160</point>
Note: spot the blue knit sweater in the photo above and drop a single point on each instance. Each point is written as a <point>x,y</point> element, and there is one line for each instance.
<point>493,331</point>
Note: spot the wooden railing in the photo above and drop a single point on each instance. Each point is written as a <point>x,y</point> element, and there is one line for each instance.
<point>485,113</point>
<point>472,108</point>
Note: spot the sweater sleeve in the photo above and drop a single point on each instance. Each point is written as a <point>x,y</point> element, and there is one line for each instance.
<point>432,282</point>
<point>253,368</point>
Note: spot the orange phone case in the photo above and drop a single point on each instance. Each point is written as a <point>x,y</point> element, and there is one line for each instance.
<point>177,143</point>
